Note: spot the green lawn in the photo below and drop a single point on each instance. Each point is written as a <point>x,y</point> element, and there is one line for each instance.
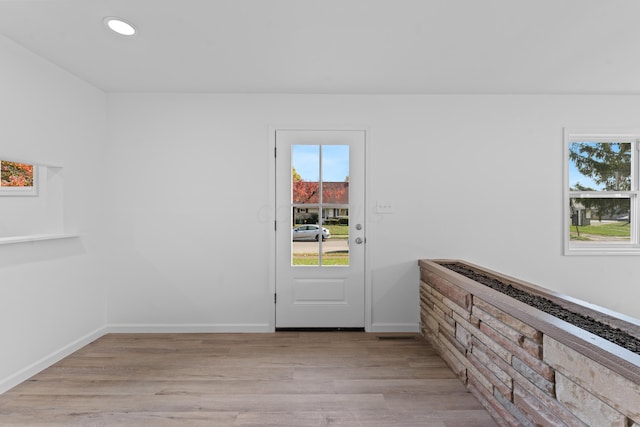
<point>332,258</point>
<point>338,231</point>
<point>604,229</point>
<point>341,258</point>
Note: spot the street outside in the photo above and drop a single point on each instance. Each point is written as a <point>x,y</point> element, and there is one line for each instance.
<point>330,245</point>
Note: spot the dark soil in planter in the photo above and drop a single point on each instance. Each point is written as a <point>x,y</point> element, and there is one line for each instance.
<point>615,335</point>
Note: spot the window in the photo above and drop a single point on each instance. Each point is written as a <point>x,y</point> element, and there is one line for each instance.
<point>601,193</point>
<point>18,179</point>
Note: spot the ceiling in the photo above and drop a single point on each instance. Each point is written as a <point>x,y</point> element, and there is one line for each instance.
<point>338,46</point>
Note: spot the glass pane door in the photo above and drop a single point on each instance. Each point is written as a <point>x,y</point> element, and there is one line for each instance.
<point>320,205</point>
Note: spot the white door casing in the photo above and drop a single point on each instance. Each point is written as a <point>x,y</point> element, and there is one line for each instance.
<point>331,291</point>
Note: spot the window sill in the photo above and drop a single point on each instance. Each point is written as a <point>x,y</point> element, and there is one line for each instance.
<point>34,238</point>
<point>602,250</point>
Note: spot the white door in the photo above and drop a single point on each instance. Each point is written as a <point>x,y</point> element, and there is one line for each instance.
<point>320,228</point>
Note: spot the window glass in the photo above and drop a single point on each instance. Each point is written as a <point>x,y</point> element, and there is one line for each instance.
<point>305,199</point>
<point>320,229</point>
<point>600,220</point>
<point>601,194</point>
<point>600,166</point>
<point>18,179</point>
<point>335,174</point>
<point>305,174</point>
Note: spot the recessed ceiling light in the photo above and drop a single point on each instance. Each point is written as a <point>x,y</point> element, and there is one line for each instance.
<point>119,26</point>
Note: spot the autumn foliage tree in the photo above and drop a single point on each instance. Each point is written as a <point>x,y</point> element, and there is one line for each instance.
<point>16,174</point>
<point>308,192</point>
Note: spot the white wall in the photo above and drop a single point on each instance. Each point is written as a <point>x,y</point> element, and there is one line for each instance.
<point>52,296</point>
<point>170,195</point>
<point>471,177</point>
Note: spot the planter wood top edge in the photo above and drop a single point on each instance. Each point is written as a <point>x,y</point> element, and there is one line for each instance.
<point>616,358</point>
<point>629,324</point>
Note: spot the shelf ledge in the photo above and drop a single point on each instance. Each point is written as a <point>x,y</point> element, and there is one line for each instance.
<point>34,238</point>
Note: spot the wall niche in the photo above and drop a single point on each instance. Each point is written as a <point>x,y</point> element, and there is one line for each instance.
<point>31,202</point>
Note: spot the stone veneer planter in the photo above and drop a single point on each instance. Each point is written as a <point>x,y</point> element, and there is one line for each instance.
<point>527,367</point>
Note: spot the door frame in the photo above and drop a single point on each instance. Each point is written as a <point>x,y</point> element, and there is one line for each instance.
<point>273,206</point>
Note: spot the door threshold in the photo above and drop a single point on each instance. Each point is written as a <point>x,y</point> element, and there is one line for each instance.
<point>319,329</point>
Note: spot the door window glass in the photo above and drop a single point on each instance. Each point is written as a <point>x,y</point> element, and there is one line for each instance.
<point>320,205</point>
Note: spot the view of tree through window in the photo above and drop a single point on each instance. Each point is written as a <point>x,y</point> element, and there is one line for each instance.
<point>602,193</point>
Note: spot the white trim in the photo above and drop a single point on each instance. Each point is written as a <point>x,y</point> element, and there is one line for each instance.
<point>368,286</point>
<point>186,328</point>
<point>394,327</point>
<point>42,364</point>
<point>602,251</point>
<point>34,238</point>
<point>271,223</point>
<point>47,361</point>
<point>602,134</point>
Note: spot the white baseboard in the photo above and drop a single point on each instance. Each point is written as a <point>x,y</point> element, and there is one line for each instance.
<point>29,371</point>
<point>394,327</point>
<point>26,373</point>
<point>138,328</point>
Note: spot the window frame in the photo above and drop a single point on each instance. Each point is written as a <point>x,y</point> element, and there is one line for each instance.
<point>603,248</point>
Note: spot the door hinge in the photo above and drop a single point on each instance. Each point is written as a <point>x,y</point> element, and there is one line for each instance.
<point>275,225</point>
<point>275,298</point>
<point>275,151</point>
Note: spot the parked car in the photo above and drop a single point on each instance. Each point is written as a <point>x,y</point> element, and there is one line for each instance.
<point>309,232</point>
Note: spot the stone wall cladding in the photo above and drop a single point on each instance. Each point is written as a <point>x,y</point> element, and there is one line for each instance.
<point>523,376</point>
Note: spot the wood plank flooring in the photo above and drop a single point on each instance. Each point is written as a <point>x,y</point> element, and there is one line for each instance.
<point>280,379</point>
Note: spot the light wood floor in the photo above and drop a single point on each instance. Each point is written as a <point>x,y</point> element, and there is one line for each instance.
<point>281,379</point>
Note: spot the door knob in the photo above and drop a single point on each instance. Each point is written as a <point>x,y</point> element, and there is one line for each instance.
<point>359,240</point>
